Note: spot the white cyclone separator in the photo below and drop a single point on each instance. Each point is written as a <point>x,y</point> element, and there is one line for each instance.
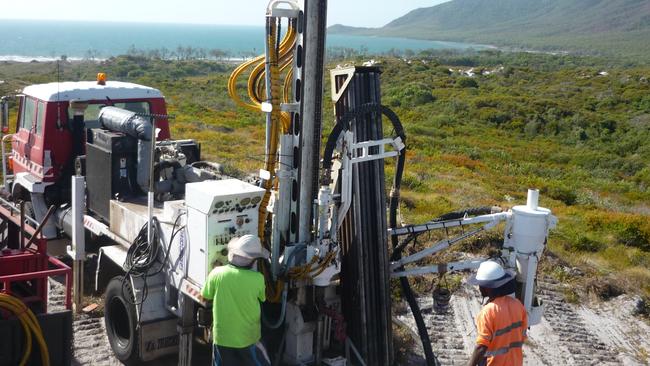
<point>530,226</point>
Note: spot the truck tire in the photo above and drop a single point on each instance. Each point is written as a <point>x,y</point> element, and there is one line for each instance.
<point>28,207</point>
<point>121,319</point>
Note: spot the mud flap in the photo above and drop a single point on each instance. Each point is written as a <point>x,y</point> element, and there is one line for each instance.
<point>158,338</point>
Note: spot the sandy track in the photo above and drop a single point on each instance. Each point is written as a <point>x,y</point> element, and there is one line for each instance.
<point>605,333</point>
<point>574,335</point>
<point>615,325</point>
<point>90,344</point>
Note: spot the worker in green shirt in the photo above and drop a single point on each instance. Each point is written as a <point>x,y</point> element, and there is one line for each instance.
<point>236,292</point>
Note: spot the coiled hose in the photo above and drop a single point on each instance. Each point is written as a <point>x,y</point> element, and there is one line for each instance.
<point>30,325</point>
<point>257,76</point>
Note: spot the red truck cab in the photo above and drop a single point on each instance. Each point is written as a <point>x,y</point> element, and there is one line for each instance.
<point>43,143</point>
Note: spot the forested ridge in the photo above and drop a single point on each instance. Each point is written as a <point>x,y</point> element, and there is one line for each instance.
<point>614,28</point>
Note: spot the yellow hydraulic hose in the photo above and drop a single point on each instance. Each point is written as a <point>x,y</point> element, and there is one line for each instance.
<point>256,80</point>
<point>275,124</point>
<point>280,59</point>
<point>256,90</point>
<point>30,326</point>
<point>232,82</point>
<point>258,74</point>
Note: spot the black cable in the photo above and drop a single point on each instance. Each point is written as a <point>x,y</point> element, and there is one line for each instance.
<point>142,256</point>
<point>397,252</point>
<point>169,245</point>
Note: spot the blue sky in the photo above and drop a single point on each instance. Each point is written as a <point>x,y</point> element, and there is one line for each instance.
<point>361,13</point>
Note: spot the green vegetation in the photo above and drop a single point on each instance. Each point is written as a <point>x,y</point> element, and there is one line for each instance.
<point>577,132</point>
<point>576,128</point>
<point>613,28</point>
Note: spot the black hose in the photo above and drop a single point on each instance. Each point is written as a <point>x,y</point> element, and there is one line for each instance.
<point>397,253</point>
<point>459,214</point>
<point>343,125</point>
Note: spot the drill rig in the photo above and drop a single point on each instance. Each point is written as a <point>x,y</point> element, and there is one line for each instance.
<point>326,223</point>
<point>324,212</point>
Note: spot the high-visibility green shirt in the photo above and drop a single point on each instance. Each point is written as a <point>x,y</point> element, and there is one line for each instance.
<point>236,294</point>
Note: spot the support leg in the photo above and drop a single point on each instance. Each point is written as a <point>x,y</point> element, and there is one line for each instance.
<point>185,331</point>
<point>77,284</point>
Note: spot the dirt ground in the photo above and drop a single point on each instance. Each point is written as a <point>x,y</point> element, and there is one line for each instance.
<point>604,333</point>
<point>91,347</point>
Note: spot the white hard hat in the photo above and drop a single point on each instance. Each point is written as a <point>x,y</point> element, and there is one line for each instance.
<point>490,274</point>
<point>247,246</point>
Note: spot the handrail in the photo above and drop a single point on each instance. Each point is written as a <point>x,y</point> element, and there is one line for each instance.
<point>4,163</point>
<point>8,208</point>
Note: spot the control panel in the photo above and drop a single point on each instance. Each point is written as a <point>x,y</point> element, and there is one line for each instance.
<point>217,212</point>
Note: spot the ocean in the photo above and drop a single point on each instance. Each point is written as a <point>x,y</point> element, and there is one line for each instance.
<point>25,40</point>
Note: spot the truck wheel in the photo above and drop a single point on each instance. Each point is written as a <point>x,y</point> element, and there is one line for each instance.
<point>121,319</point>
<point>28,206</point>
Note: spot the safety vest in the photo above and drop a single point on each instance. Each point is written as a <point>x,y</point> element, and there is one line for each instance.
<point>501,327</point>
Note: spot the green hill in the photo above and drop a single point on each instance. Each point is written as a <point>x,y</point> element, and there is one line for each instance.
<point>590,26</point>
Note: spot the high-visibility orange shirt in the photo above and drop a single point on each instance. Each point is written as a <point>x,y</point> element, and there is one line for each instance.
<point>501,326</point>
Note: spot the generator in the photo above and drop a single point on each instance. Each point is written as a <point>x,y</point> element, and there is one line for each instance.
<point>111,168</point>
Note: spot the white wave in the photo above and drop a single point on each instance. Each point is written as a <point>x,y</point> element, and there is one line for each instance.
<point>19,58</point>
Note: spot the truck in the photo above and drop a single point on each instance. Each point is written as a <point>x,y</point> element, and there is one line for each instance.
<point>101,156</point>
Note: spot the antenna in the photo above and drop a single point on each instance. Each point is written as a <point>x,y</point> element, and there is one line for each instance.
<point>58,94</point>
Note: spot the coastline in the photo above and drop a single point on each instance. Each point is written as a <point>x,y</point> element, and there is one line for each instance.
<point>27,59</point>
<point>46,59</point>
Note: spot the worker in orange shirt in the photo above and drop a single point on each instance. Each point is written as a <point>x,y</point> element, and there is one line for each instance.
<point>502,323</point>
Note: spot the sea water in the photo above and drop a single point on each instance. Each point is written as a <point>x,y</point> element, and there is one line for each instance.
<point>25,40</point>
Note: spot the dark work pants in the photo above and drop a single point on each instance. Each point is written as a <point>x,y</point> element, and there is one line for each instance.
<point>254,355</point>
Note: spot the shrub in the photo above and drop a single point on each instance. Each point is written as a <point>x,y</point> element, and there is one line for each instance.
<point>442,70</point>
<point>462,161</point>
<point>531,129</point>
<point>604,288</point>
<point>584,244</point>
<point>413,95</point>
<point>494,116</point>
<point>562,193</point>
<point>632,235</point>
<point>465,82</point>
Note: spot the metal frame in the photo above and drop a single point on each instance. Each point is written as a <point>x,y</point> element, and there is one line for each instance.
<point>439,268</point>
<point>366,146</point>
<point>33,255</point>
<point>5,139</point>
<point>42,261</point>
<point>414,229</point>
<point>397,267</point>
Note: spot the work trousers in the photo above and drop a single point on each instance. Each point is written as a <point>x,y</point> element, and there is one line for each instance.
<point>254,355</point>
